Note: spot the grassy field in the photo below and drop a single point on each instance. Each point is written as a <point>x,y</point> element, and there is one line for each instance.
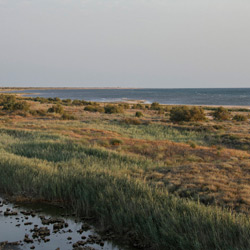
<point>163,185</point>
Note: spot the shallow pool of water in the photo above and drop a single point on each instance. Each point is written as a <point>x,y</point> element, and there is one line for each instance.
<point>25,223</point>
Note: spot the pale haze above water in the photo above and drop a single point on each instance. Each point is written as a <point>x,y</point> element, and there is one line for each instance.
<point>125,43</point>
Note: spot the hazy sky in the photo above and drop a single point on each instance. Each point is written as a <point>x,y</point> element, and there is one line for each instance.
<point>125,43</point>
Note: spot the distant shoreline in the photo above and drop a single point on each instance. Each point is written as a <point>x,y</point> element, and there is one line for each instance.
<point>201,97</point>
<point>6,89</point>
<point>44,88</point>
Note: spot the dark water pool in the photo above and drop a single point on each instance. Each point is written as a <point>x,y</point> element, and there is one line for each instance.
<point>46,228</point>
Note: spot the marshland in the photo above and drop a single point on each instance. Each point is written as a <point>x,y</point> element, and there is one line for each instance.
<point>159,176</point>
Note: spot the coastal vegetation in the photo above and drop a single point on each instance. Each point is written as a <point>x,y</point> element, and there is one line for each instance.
<point>175,179</point>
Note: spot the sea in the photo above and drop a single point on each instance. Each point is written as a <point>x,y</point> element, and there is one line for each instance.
<point>194,96</point>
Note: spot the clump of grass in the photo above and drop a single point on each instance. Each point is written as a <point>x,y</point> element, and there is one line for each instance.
<point>115,142</point>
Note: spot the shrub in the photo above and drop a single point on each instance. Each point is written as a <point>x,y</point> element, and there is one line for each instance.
<point>112,109</point>
<point>7,99</point>
<point>67,101</point>
<point>240,118</point>
<point>14,106</point>
<point>138,106</point>
<point>124,105</point>
<point>183,113</point>
<point>40,99</point>
<point>67,116</point>
<point>39,112</point>
<point>155,106</point>
<point>56,109</point>
<point>132,121</point>
<point>221,114</point>
<point>77,103</point>
<point>138,114</point>
<point>160,112</point>
<point>94,108</point>
<point>81,102</point>
<point>57,100</point>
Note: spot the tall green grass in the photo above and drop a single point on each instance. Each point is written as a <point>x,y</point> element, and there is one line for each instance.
<point>97,182</point>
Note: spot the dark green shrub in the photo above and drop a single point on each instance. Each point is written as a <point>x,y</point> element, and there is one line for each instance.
<point>138,106</point>
<point>155,106</point>
<point>39,112</point>
<point>183,113</point>
<point>160,112</point>
<point>167,108</point>
<point>57,100</point>
<point>124,105</point>
<point>94,108</point>
<point>221,114</point>
<point>4,99</point>
<point>138,114</point>
<point>67,116</point>
<point>67,101</point>
<point>14,106</point>
<point>132,121</point>
<point>56,109</point>
<point>113,109</point>
<point>77,103</point>
<point>240,118</point>
<point>40,99</point>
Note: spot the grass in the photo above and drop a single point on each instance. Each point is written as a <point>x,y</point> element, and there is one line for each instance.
<point>159,184</point>
<point>150,131</point>
<point>96,182</point>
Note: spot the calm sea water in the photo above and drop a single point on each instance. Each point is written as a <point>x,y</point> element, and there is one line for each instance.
<point>236,96</point>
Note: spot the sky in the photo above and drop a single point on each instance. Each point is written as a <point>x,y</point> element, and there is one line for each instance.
<point>125,43</point>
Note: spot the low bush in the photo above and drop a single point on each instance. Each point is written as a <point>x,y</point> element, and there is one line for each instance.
<point>132,121</point>
<point>113,109</point>
<point>39,112</point>
<point>124,105</point>
<point>184,113</point>
<point>81,102</point>
<point>240,118</point>
<point>66,101</point>
<point>94,108</point>
<point>56,109</point>
<point>67,116</point>
<point>138,114</point>
<point>14,106</point>
<point>155,106</point>
<point>221,114</point>
<point>40,99</point>
<point>7,99</point>
<point>138,106</point>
